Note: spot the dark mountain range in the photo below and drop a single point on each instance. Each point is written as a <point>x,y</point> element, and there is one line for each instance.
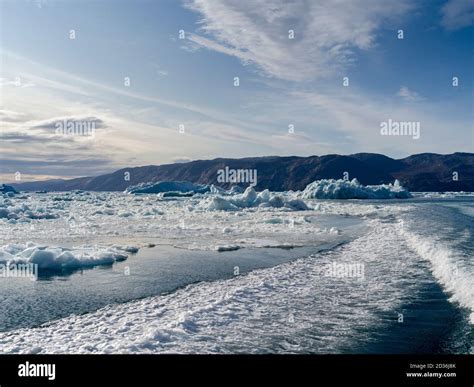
<point>421,172</point>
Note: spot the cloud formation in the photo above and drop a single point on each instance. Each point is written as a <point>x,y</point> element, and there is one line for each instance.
<point>457,14</point>
<point>52,124</point>
<point>408,95</point>
<point>326,33</point>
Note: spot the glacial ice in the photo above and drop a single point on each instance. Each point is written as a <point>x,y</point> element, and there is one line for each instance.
<point>167,187</point>
<point>222,248</point>
<point>14,210</point>
<point>249,199</point>
<point>60,259</point>
<point>233,199</point>
<point>7,189</point>
<point>345,189</point>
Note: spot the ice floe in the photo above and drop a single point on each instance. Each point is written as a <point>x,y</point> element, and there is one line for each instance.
<point>227,248</point>
<point>105,218</point>
<point>16,210</point>
<point>168,187</point>
<point>8,190</point>
<point>345,189</point>
<point>60,259</point>
<point>250,198</point>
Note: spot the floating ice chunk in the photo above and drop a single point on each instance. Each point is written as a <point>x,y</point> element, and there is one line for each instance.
<point>268,243</point>
<point>61,259</point>
<point>227,248</point>
<point>264,196</point>
<point>276,201</point>
<point>7,189</point>
<point>104,211</point>
<point>152,211</point>
<point>250,196</point>
<point>273,221</point>
<point>128,249</point>
<point>125,214</point>
<point>235,189</point>
<point>296,204</point>
<point>10,210</point>
<point>249,199</point>
<point>173,194</point>
<point>168,186</point>
<point>218,203</point>
<point>215,189</point>
<point>344,189</point>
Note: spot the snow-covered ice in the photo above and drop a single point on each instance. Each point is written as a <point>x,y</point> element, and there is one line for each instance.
<point>60,259</point>
<point>345,189</point>
<point>250,198</point>
<point>197,222</point>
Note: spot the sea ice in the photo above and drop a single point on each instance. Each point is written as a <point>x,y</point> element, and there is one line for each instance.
<point>63,259</point>
<point>345,189</point>
<point>168,186</point>
<point>249,199</point>
<point>7,189</point>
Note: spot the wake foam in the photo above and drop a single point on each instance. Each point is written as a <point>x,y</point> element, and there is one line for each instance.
<point>290,308</point>
<point>447,267</point>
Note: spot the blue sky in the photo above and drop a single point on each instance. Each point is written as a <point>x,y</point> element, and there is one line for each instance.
<point>46,78</point>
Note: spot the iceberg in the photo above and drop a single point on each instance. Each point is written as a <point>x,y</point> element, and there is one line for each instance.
<point>345,189</point>
<point>177,187</point>
<point>223,248</point>
<point>250,198</point>
<point>60,259</point>
<point>7,189</point>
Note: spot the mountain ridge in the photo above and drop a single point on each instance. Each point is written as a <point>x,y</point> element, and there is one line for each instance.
<point>419,172</point>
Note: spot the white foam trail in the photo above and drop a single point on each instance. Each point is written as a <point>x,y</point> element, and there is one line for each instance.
<point>446,266</point>
<point>294,307</point>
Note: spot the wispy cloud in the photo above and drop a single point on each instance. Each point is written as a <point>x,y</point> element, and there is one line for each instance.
<point>52,124</point>
<point>457,14</point>
<point>325,33</point>
<point>18,82</point>
<point>408,95</point>
<point>11,116</point>
<point>358,117</point>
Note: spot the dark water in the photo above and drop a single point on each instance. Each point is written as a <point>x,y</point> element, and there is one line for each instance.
<point>151,271</point>
<point>432,323</point>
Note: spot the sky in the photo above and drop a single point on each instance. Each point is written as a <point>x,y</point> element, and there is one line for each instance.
<point>157,80</point>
